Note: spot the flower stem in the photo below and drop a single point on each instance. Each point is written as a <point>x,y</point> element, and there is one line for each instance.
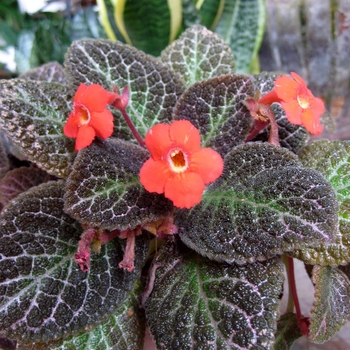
<point>273,137</point>
<point>132,128</point>
<point>303,322</point>
<point>129,255</point>
<point>290,304</point>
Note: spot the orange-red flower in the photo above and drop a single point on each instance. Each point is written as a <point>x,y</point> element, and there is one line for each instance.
<point>300,105</point>
<point>178,166</point>
<point>90,116</point>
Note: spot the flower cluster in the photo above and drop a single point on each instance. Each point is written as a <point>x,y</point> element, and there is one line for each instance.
<point>300,105</point>
<point>178,166</point>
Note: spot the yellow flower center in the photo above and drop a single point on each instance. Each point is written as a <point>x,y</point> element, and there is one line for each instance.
<point>303,101</point>
<point>84,115</point>
<point>177,160</point>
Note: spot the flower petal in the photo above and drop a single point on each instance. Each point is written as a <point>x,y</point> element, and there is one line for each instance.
<point>94,97</point>
<point>207,163</point>
<point>317,107</point>
<point>71,128</point>
<point>103,123</point>
<point>184,189</point>
<point>80,93</point>
<point>286,88</point>
<point>311,123</point>
<point>86,135</point>
<point>158,141</point>
<point>153,175</point>
<point>185,135</point>
<point>298,78</point>
<point>269,98</point>
<point>293,111</point>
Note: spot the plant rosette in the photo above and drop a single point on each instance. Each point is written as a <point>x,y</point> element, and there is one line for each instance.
<point>166,191</point>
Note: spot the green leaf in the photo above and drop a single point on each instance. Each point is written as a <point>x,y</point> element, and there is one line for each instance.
<point>332,159</point>
<point>215,107</point>
<point>50,72</point>
<point>124,330</point>
<point>106,16</point>
<point>331,309</point>
<point>19,180</point>
<point>145,24</point>
<point>85,24</point>
<point>33,114</point>
<point>199,54</point>
<point>210,12</point>
<point>264,203</point>
<point>242,26</point>
<point>154,89</point>
<point>104,189</point>
<point>288,331</point>
<point>44,294</point>
<point>25,57</point>
<point>190,15</point>
<point>199,304</point>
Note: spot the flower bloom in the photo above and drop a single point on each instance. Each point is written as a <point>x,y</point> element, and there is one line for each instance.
<point>178,166</point>
<point>300,105</point>
<point>90,116</point>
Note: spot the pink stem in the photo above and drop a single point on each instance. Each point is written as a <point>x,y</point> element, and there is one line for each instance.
<point>129,254</point>
<point>258,126</point>
<point>303,322</point>
<point>273,137</point>
<point>82,256</point>
<point>105,238</point>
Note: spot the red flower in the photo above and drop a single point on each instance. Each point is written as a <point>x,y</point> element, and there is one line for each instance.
<point>90,117</point>
<point>178,166</point>
<point>300,105</point>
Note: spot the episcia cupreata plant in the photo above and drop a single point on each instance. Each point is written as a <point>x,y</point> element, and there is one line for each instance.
<point>166,191</point>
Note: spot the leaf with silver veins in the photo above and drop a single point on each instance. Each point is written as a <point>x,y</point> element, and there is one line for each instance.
<point>44,294</point>
<point>104,189</point>
<point>33,114</point>
<point>201,304</point>
<point>265,203</point>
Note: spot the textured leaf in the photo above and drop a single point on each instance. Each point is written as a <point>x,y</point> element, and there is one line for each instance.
<point>215,107</point>
<point>332,159</point>
<point>199,54</point>
<point>263,204</point>
<point>50,72</point>
<point>20,180</point>
<point>33,114</point>
<point>242,26</point>
<point>44,294</point>
<point>104,189</point>
<point>154,89</point>
<point>287,332</point>
<point>200,304</point>
<point>4,161</point>
<point>292,137</point>
<point>331,309</point>
<point>124,330</point>
<point>8,344</point>
<point>145,24</point>
<point>10,148</point>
